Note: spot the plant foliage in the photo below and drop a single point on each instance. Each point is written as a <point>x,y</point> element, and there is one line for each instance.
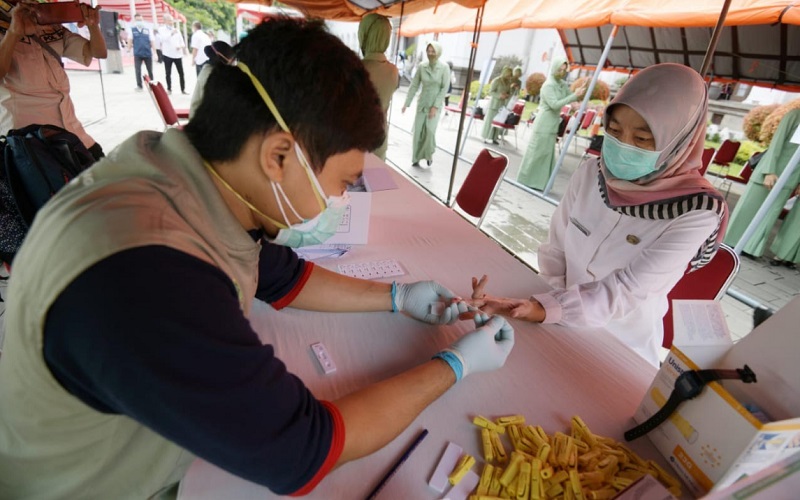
<point>770,124</point>
<point>753,120</point>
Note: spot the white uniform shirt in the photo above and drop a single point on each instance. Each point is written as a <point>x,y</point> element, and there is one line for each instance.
<point>171,42</point>
<point>612,270</point>
<point>199,41</point>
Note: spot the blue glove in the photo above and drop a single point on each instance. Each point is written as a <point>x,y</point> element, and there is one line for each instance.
<point>426,301</point>
<point>482,350</point>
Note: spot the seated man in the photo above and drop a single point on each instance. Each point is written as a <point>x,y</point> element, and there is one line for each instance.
<point>128,348</point>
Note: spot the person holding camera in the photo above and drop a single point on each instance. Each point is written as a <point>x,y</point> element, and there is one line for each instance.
<point>35,87</point>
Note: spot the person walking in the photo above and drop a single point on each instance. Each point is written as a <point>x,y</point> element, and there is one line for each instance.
<point>434,78</point>
<point>374,34</point>
<point>172,46</point>
<point>143,45</point>
<point>200,41</point>
<point>786,246</point>
<point>540,157</point>
<point>763,179</point>
<point>500,91</point>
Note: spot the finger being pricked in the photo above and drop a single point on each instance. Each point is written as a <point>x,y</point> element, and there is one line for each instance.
<point>478,286</point>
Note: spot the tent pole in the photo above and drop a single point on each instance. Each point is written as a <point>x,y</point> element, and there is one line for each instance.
<point>600,64</point>
<point>712,45</point>
<point>769,201</point>
<point>485,74</point>
<point>476,35</point>
<point>396,51</point>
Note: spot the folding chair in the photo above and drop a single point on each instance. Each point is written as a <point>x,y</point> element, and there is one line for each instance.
<point>725,155</point>
<point>595,147</point>
<point>708,153</point>
<point>481,184</point>
<point>169,115</point>
<point>562,128</point>
<point>519,107</point>
<point>707,283</point>
<point>742,178</point>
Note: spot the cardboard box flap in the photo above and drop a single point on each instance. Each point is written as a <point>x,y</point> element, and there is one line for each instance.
<point>772,351</point>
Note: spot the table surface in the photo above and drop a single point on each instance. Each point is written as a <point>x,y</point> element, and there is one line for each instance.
<point>552,374</point>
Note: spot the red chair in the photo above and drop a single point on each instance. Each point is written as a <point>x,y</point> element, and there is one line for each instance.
<point>742,178</point>
<point>595,147</point>
<point>562,128</point>
<point>519,107</point>
<point>481,184</point>
<point>708,153</point>
<point>707,283</point>
<point>169,115</point>
<point>588,118</point>
<point>725,155</point>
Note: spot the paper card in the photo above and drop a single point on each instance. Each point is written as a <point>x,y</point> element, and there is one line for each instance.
<point>354,226</point>
<point>378,179</point>
<point>796,136</point>
<point>699,323</point>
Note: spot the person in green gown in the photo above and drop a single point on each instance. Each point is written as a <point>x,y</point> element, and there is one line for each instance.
<point>434,78</point>
<point>540,157</point>
<point>786,246</point>
<point>500,91</point>
<point>764,177</point>
<point>374,34</point>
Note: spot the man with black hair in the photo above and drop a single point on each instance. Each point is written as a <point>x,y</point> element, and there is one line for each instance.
<point>128,348</point>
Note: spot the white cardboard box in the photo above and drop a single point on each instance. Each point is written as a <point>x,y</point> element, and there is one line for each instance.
<point>713,440</point>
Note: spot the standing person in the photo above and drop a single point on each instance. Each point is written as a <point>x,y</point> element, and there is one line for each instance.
<point>632,221</point>
<point>764,177</point>
<point>219,53</point>
<point>786,246</point>
<point>499,92</point>
<point>434,77</point>
<point>129,350</point>
<point>374,34</point>
<point>172,46</point>
<point>35,87</point>
<point>540,157</point>
<point>143,46</point>
<point>200,41</point>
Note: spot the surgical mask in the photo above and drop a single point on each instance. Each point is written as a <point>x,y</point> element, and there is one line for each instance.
<point>312,231</point>
<point>139,24</point>
<point>628,162</point>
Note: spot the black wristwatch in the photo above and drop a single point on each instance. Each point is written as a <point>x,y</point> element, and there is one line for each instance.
<point>688,386</point>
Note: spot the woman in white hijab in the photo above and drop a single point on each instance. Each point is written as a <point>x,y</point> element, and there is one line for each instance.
<point>632,222</point>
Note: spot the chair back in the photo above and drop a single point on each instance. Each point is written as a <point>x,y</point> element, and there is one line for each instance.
<point>707,283</point>
<point>595,146</point>
<point>746,172</point>
<point>588,118</point>
<point>163,104</point>
<point>562,127</point>
<point>481,184</point>
<point>519,107</point>
<point>708,153</point>
<point>565,109</point>
<point>726,152</point>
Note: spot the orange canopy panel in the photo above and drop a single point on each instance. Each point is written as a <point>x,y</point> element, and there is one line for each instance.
<point>501,15</point>
<point>352,10</point>
<point>700,13</point>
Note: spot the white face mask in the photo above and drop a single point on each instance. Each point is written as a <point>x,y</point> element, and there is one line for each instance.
<point>312,231</point>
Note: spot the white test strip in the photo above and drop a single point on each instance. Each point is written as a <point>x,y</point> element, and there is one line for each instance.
<point>323,358</point>
<point>446,465</point>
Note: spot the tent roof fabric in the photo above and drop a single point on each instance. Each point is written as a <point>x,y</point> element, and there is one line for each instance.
<point>760,44</point>
<point>123,7</point>
<point>352,10</point>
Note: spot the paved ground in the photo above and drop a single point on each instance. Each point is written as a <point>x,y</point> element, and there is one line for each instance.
<point>517,219</point>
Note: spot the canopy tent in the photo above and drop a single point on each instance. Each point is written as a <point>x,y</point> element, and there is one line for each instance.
<point>143,7</point>
<point>352,10</point>
<point>761,46</point>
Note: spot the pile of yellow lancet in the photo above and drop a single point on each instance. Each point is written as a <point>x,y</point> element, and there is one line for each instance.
<point>577,466</point>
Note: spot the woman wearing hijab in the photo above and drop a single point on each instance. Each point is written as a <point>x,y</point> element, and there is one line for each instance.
<point>540,158</point>
<point>632,221</point>
<point>434,77</point>
<point>374,34</point>
<point>500,91</point>
<point>764,177</point>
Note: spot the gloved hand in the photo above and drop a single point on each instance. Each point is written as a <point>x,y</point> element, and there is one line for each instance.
<point>484,349</point>
<point>427,301</point>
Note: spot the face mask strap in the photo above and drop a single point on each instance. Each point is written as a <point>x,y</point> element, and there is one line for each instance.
<point>241,198</point>
<point>276,190</point>
<point>274,110</point>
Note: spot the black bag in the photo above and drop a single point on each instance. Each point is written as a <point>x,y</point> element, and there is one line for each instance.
<point>512,119</point>
<point>755,158</point>
<point>35,162</point>
<point>596,142</point>
<point>478,111</point>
